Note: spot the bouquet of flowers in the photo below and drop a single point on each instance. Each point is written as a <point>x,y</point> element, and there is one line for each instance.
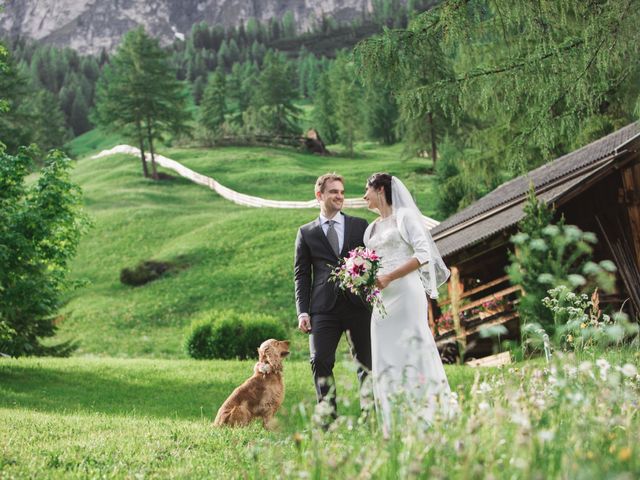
<point>357,273</point>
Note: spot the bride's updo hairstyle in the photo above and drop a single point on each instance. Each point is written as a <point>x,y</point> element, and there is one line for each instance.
<point>378,180</point>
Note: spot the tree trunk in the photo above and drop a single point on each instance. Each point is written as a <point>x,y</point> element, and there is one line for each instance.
<point>434,150</point>
<point>154,169</point>
<point>145,170</point>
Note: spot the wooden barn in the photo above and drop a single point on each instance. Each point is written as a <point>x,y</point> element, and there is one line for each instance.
<point>596,188</point>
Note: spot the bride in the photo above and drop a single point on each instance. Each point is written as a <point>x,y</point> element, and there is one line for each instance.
<point>407,371</point>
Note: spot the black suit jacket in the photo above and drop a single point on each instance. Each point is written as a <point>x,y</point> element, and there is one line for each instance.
<point>315,260</point>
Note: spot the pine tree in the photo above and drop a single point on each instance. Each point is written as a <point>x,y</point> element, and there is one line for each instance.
<point>49,124</point>
<point>323,114</point>
<point>347,95</point>
<point>272,106</point>
<point>198,89</point>
<point>139,94</point>
<point>381,114</point>
<point>288,25</point>
<point>79,119</point>
<point>213,107</point>
<point>241,87</point>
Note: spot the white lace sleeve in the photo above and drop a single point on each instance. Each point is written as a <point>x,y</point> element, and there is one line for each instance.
<point>433,271</point>
<point>413,233</point>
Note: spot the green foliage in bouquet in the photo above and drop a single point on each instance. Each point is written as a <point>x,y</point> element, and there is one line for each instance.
<point>40,226</point>
<point>228,334</point>
<point>548,255</point>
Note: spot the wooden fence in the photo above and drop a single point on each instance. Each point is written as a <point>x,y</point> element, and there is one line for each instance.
<point>232,195</point>
<point>492,303</point>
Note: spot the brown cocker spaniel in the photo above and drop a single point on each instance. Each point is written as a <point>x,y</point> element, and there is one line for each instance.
<point>262,394</point>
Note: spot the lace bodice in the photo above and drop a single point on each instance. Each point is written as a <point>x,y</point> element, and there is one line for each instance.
<point>386,240</point>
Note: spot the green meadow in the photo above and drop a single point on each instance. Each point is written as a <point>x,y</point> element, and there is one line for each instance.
<point>228,256</point>
<point>151,418</point>
<point>129,404</point>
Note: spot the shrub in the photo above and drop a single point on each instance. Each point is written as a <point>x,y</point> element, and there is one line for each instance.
<point>228,334</point>
<point>549,255</point>
<point>144,272</point>
<point>40,226</point>
<point>198,342</point>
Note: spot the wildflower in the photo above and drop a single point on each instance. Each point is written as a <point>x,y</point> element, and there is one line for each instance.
<point>624,454</point>
<point>482,406</point>
<point>485,387</point>
<point>584,367</point>
<point>629,370</point>
<point>575,397</point>
<point>546,435</point>
<point>521,419</point>
<point>604,366</point>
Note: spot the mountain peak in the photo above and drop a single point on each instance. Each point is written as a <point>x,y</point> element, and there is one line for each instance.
<point>88,26</point>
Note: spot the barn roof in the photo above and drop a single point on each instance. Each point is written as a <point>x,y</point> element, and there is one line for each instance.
<point>503,207</point>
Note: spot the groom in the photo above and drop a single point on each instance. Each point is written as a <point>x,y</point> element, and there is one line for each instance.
<point>324,310</point>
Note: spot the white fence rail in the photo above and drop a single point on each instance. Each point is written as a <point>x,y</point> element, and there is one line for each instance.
<point>232,195</point>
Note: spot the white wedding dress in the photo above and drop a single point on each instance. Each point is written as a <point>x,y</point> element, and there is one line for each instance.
<point>407,374</point>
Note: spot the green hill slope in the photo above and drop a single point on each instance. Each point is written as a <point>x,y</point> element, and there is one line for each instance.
<point>232,256</point>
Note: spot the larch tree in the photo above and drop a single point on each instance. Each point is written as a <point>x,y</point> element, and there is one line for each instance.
<point>138,94</point>
<point>347,93</point>
<point>272,107</point>
<point>213,107</point>
<point>526,79</point>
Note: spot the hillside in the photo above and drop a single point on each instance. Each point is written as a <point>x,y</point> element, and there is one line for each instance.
<point>231,256</point>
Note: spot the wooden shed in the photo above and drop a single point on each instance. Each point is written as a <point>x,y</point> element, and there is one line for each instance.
<point>596,187</point>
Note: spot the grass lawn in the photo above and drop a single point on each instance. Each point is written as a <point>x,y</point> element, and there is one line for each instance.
<point>118,417</point>
<point>151,418</point>
<point>230,257</point>
<point>284,174</point>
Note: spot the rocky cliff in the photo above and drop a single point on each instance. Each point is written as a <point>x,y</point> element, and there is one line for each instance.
<point>90,25</point>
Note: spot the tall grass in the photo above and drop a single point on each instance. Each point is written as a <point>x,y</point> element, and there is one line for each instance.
<point>107,418</point>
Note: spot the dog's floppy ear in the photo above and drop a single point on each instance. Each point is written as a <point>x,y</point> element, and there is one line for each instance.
<point>272,357</point>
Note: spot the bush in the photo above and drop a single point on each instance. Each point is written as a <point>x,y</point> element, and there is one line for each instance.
<point>548,255</point>
<point>144,272</point>
<point>228,334</point>
<point>199,339</point>
<point>40,226</point>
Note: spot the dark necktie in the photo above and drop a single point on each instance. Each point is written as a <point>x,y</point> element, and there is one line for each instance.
<point>332,236</point>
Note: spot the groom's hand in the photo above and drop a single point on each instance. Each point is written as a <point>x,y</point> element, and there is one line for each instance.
<point>304,323</point>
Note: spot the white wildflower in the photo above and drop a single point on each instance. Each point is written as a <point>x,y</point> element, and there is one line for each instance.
<point>546,435</point>
<point>485,387</point>
<point>518,463</point>
<point>604,367</point>
<point>629,370</point>
<point>482,406</point>
<point>520,419</point>
<point>575,397</point>
<point>584,367</point>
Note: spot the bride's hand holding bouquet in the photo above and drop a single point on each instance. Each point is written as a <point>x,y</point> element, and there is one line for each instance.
<point>357,273</point>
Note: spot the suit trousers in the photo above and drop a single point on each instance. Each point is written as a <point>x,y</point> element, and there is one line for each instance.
<point>326,330</point>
